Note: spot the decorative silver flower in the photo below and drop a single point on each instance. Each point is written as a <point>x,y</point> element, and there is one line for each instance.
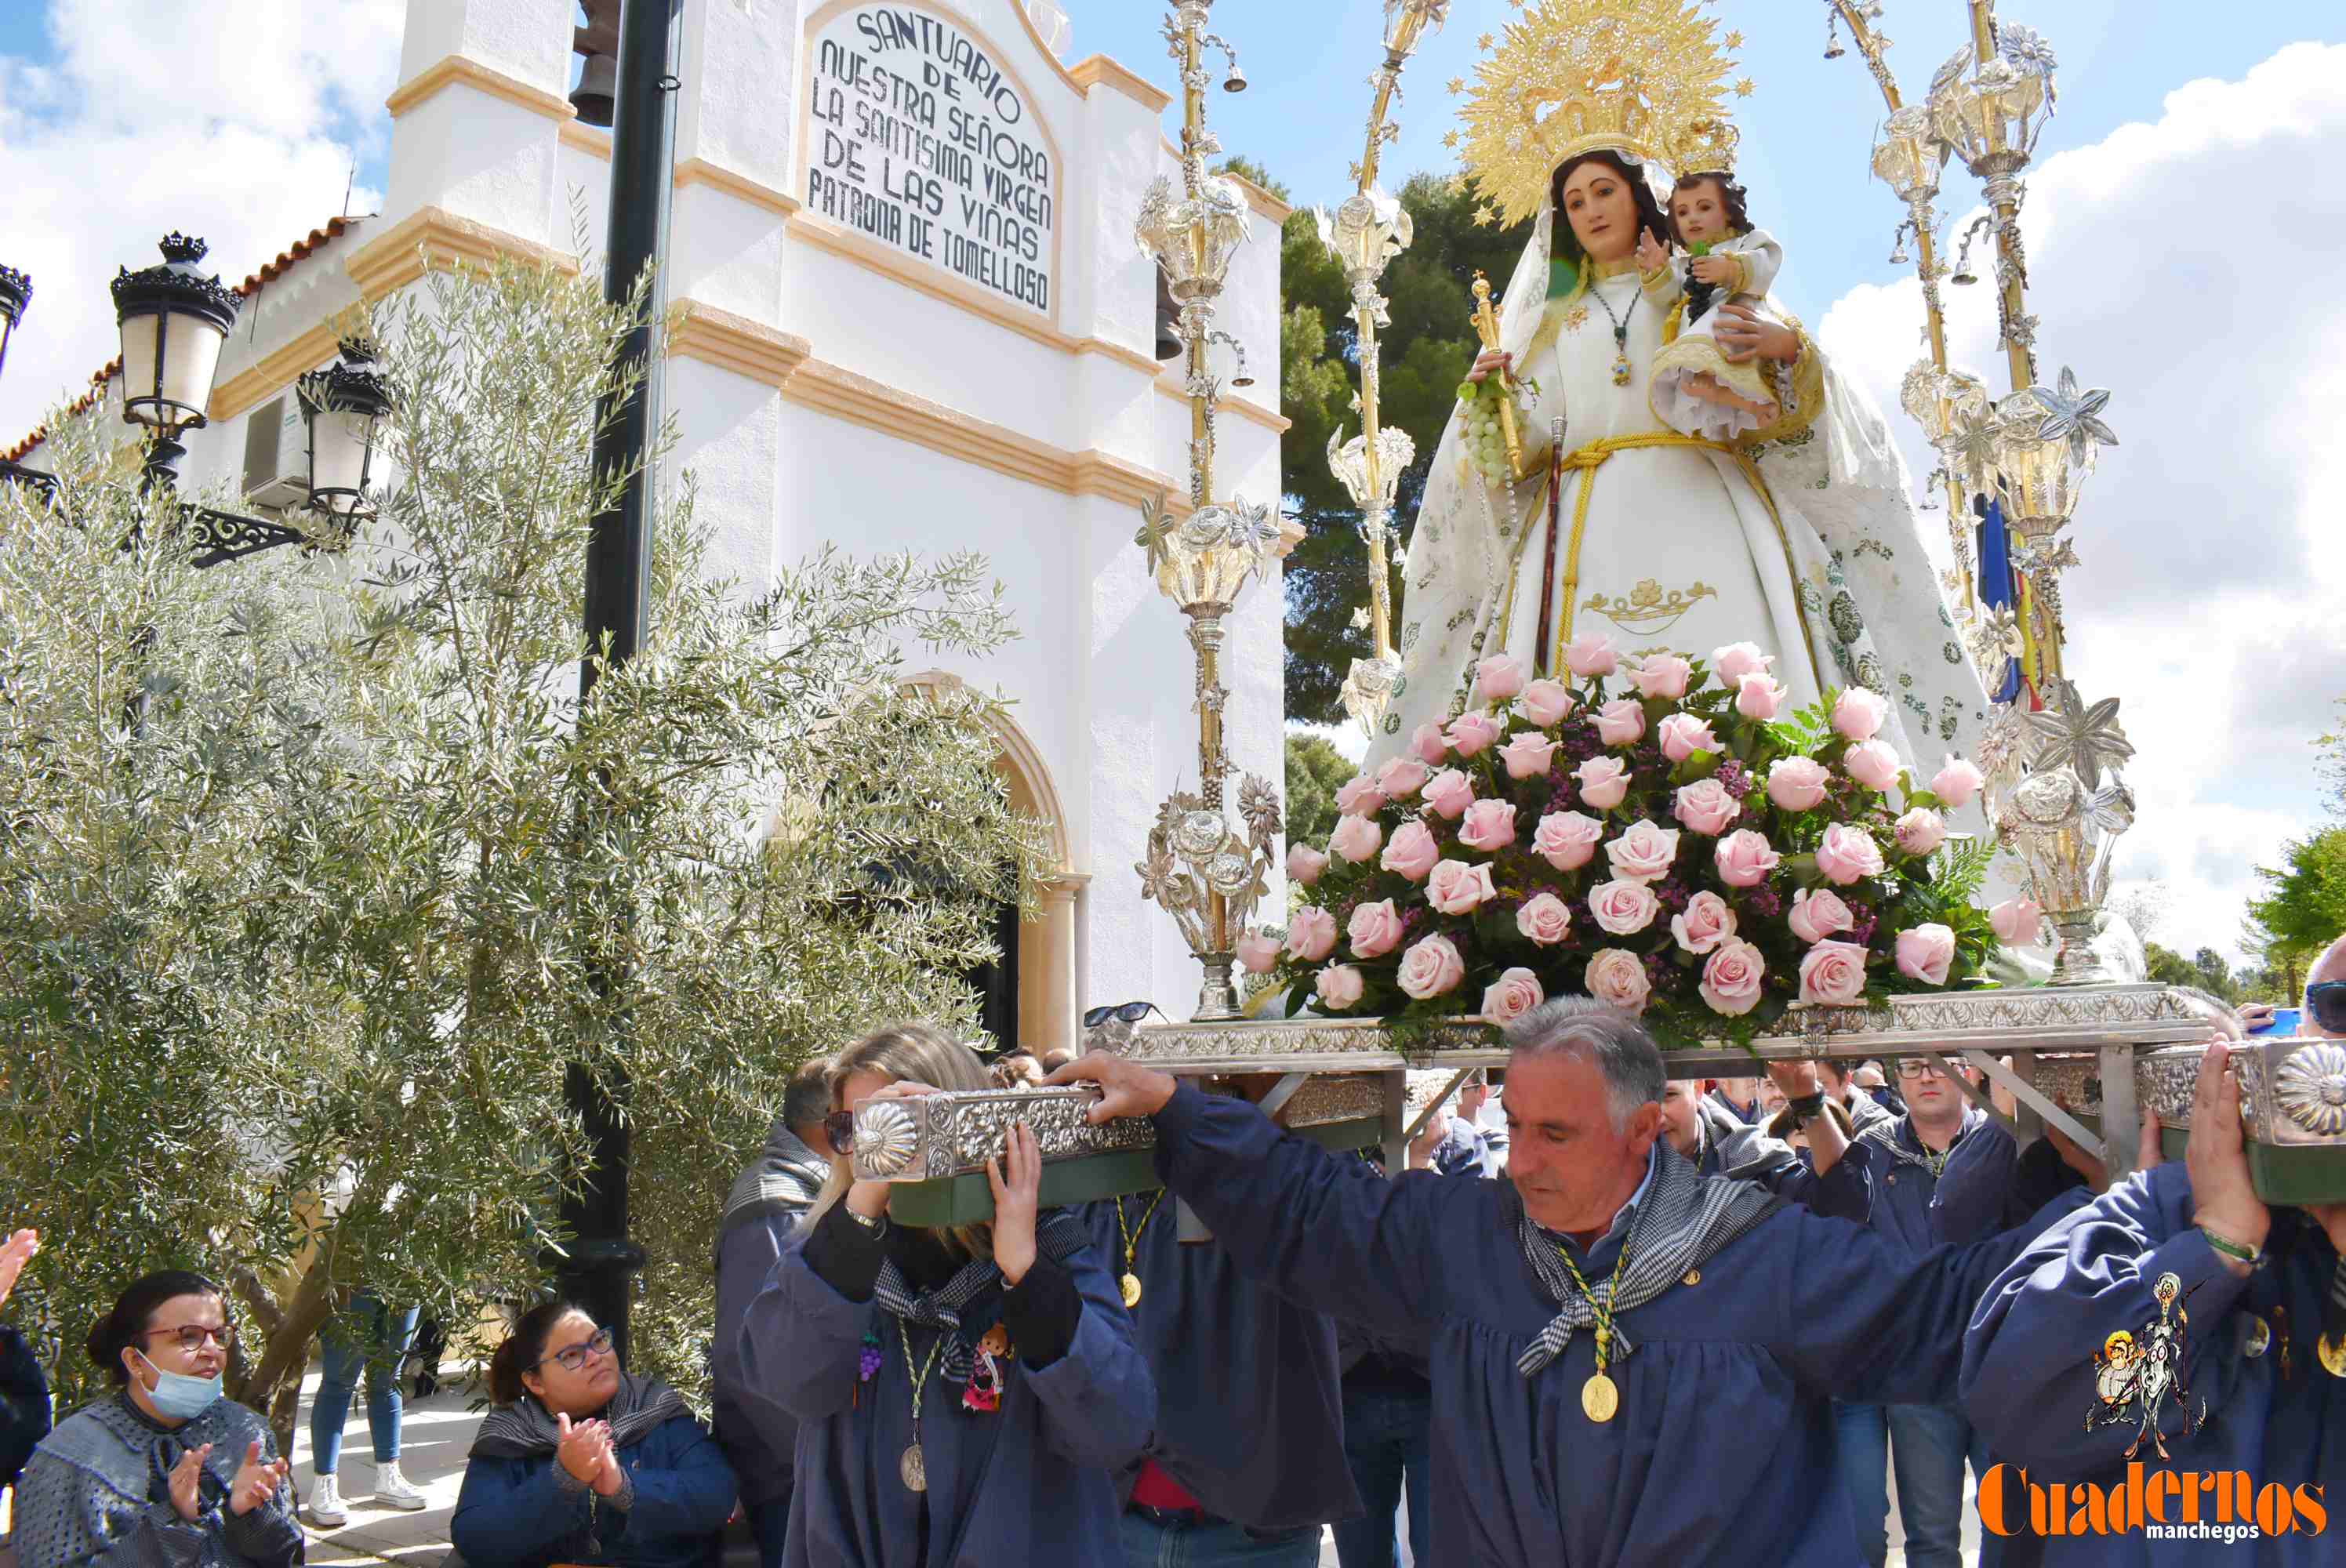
<point>2053,555</point>
<point>2031,52</point>
<point>2005,744</point>
<point>1975,443</point>
<point>1258,808</point>
<point>2075,416</point>
<point>2310,1088</point>
<point>1157,525</point>
<point>2110,809</point>
<point>885,1140</point>
<point>2071,733</point>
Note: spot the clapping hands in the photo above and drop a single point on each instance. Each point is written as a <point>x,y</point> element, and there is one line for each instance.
<point>14,1253</point>
<point>586,1451</point>
<point>256,1482</point>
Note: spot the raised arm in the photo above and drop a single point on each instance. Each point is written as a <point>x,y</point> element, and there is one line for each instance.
<point>1328,1233</point>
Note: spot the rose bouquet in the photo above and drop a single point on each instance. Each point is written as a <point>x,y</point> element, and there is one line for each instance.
<point>1669,838</point>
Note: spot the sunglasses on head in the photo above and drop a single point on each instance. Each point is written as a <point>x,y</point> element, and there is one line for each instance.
<point>1126,1013</point>
<point>2326,999</point>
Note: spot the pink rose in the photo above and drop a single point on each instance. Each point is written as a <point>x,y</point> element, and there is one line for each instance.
<point>1617,979</point>
<point>1428,742</point>
<point>1683,735</point>
<point>1707,922</point>
<point>1400,778</point>
<point>1544,919</point>
<point>1259,953</point>
<point>1760,697</point>
<point>1516,992</point>
<point>2017,921</point>
<point>1872,763</point>
<point>1450,792</point>
<point>1797,783</point>
<point>1623,908</point>
<point>1921,831</point>
<point>1490,826</point>
<point>1472,732</point>
<point>1745,857</point>
<point>1848,854</point>
<point>1604,782</point>
<point>1360,797</point>
<point>1590,657</point>
<point>1958,782</point>
<point>1456,888</point>
<point>1662,675</point>
<point>1925,953</point>
<point>1833,973</point>
<point>1567,840</point>
<point>1356,837</point>
<point>1431,967</point>
<point>1411,852</point>
<point>1621,722</point>
<point>1339,986</point>
<point>1310,933</point>
<point>1528,755</point>
<point>1736,660</point>
<point>1645,853</point>
<point>1499,679</point>
<point>1730,981</point>
<point>1304,865</point>
<point>1817,913</point>
<point>1706,807</point>
<point>1859,714</point>
<point>1376,930</point>
<point>1545,703</point>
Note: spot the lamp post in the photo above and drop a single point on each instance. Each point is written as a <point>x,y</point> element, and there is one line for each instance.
<point>1207,874</point>
<point>603,1259</point>
<point>2054,790</point>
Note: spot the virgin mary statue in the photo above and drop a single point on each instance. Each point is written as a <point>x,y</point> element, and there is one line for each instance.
<point>1799,536</point>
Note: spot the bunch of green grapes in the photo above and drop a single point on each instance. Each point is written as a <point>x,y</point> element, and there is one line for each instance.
<point>1478,426</point>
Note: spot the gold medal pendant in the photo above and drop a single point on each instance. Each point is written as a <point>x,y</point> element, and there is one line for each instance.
<point>1621,372</point>
<point>2334,1355</point>
<point>913,1469</point>
<point>1131,1286</point>
<point>1599,1399</point>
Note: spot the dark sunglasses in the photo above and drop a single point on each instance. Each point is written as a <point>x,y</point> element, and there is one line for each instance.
<point>1127,1012</point>
<point>838,1127</point>
<point>2326,999</point>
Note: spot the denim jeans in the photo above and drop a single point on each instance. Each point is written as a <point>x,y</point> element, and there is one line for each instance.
<point>1861,1441</point>
<point>365,1334</point>
<point>1928,1446</point>
<point>1388,1443</point>
<point>1212,1543</point>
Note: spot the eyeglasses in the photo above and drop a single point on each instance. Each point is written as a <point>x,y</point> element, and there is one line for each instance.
<point>573,1357</point>
<point>838,1127</point>
<point>191,1336</point>
<point>2326,999</point>
<point>1915,1067</point>
<point>1127,1012</point>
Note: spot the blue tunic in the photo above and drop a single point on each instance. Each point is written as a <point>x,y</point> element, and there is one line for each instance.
<point>1029,1482</point>
<point>1731,1148</point>
<point>1970,1197</point>
<point>1723,1449</point>
<point>1249,1407</point>
<point>525,1512</point>
<point>2028,1378</point>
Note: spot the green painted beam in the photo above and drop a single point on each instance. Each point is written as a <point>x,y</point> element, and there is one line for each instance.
<point>967,1199</point>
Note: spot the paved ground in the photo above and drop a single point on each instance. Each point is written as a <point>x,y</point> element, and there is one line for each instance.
<point>438,1431</point>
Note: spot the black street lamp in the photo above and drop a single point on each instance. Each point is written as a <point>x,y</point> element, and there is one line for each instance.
<point>174,319</point>
<point>15,293</point>
<point>343,408</point>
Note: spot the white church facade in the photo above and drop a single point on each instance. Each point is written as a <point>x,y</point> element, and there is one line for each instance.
<point>913,318</point>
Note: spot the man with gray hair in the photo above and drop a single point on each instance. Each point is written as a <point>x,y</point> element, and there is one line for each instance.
<point>1604,1325</point>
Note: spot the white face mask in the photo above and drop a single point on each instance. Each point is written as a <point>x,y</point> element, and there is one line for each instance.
<point>180,1396</point>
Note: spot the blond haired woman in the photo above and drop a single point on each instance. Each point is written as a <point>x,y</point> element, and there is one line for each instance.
<point>962,1396</point>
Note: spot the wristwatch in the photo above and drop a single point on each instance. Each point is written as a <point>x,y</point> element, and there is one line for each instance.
<point>874,1223</point>
<point>1808,1107</point>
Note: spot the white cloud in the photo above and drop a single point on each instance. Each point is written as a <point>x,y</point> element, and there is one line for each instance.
<point>240,123</point>
<point>2189,265</point>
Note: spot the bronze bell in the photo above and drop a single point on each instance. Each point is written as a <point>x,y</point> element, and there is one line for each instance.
<point>1168,320</point>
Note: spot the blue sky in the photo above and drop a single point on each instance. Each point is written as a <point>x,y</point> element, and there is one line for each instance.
<point>1308,60</point>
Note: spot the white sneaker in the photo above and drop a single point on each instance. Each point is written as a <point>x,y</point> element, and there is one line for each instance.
<point>392,1489</point>
<point>326,1511</point>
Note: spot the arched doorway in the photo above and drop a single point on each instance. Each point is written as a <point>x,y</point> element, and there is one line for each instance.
<point>1030,996</point>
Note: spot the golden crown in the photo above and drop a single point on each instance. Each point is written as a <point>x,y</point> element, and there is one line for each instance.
<point>1646,77</point>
